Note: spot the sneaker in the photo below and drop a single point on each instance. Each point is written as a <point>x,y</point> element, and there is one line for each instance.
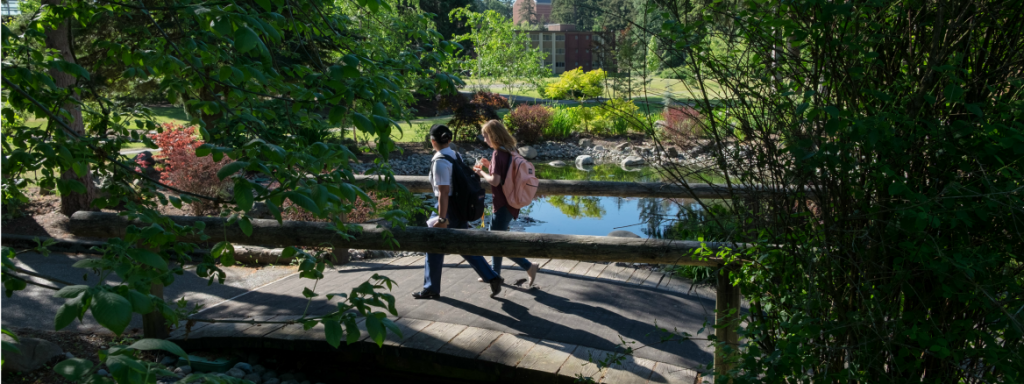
<point>496,286</point>
<point>425,294</point>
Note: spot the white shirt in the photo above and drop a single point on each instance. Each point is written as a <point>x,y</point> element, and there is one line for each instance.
<point>441,170</point>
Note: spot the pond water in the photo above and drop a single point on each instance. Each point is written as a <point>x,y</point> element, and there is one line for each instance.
<point>598,216</point>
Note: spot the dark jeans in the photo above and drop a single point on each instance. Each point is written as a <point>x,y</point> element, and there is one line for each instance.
<point>502,217</point>
<point>434,262</point>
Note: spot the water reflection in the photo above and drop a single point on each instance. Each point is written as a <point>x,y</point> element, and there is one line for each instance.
<point>576,207</point>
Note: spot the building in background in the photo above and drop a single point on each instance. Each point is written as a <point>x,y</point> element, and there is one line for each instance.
<point>536,12</point>
<point>569,49</point>
<point>10,9</point>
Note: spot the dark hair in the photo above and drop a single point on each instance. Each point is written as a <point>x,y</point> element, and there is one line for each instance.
<point>440,133</point>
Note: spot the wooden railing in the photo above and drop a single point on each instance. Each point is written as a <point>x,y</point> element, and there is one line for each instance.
<point>498,243</point>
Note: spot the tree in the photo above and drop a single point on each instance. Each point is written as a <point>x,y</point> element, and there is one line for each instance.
<point>76,185</point>
<point>448,27</point>
<point>502,7</point>
<point>503,51</point>
<point>528,10</point>
<point>895,129</point>
<point>255,74</point>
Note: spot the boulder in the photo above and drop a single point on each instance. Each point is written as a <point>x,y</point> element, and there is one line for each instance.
<point>245,367</point>
<point>236,373</point>
<point>557,163</point>
<point>621,233</point>
<point>598,148</point>
<point>586,143</point>
<point>183,370</point>
<point>672,151</point>
<point>632,161</point>
<point>34,354</point>
<point>585,160</point>
<point>621,146</point>
<point>528,152</point>
<point>253,377</point>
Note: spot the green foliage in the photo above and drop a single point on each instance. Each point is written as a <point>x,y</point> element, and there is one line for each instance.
<point>901,261</point>
<point>261,81</point>
<point>501,52</point>
<point>575,84</point>
<point>578,207</point>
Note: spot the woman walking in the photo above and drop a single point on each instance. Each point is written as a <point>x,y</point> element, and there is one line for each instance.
<point>498,138</point>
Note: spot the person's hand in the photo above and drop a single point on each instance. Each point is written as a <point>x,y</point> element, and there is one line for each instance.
<point>485,162</point>
<point>441,225</point>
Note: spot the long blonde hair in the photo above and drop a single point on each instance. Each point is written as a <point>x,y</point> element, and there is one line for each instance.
<point>496,133</point>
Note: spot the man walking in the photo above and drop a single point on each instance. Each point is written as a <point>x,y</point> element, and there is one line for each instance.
<point>441,180</point>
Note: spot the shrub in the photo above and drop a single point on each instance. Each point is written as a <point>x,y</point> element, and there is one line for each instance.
<point>576,84</point>
<point>183,170</point>
<point>682,124</point>
<point>361,210</point>
<point>615,117</point>
<point>489,99</point>
<point>528,122</point>
<point>563,122</point>
<point>465,114</point>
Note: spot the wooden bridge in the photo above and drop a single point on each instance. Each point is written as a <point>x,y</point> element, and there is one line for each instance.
<point>587,302</point>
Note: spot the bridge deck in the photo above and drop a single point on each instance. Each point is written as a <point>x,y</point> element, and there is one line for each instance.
<point>576,310</point>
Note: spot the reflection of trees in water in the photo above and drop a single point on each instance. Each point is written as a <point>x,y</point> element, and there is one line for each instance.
<point>578,207</point>
<point>653,212</point>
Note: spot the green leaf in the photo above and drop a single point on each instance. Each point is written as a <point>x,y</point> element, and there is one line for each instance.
<point>362,122</point>
<point>245,39</point>
<point>265,4</point>
<point>140,303</point>
<point>225,252</point>
<point>391,326</point>
<point>73,369</point>
<point>148,258</point>
<point>67,314</point>
<point>158,344</point>
<point>71,291</point>
<point>243,194</point>
<point>376,329</point>
<point>112,311</point>
<point>72,68</point>
<point>303,201</point>
<point>336,115</point>
<point>246,225</point>
<point>332,329</point>
<point>231,169</point>
<point>308,293</point>
<point>89,263</point>
<point>204,150</point>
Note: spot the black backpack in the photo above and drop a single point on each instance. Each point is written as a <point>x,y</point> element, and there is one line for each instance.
<point>468,197</point>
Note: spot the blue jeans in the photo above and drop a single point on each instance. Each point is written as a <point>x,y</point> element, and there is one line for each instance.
<point>502,217</point>
<point>434,262</point>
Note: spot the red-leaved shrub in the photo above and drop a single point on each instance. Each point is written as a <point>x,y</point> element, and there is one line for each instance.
<point>183,170</point>
<point>682,124</point>
<point>527,122</point>
<point>492,100</point>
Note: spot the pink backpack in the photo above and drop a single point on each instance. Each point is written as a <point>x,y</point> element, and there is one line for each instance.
<point>520,184</point>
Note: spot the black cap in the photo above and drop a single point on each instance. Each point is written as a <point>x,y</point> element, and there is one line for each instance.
<point>440,133</point>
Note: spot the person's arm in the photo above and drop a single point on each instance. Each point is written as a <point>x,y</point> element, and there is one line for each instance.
<point>442,205</point>
<point>493,180</point>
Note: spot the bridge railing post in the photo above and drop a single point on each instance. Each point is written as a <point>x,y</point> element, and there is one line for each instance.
<point>727,307</point>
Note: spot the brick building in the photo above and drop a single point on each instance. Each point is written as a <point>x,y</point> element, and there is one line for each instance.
<point>569,49</point>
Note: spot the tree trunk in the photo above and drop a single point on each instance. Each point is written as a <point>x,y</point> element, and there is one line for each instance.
<point>60,39</point>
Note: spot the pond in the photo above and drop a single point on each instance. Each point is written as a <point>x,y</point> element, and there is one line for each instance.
<point>598,216</point>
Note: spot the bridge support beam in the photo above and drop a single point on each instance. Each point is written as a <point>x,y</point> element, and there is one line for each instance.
<point>727,315</point>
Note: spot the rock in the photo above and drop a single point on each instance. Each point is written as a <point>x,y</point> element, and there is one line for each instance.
<point>34,353</point>
<point>272,381</point>
<point>286,377</point>
<point>245,367</point>
<point>621,146</point>
<point>557,163</point>
<point>621,233</point>
<point>101,372</point>
<point>598,148</point>
<point>289,382</point>
<point>183,370</point>
<point>256,368</point>
<point>68,355</point>
<point>586,143</point>
<point>632,161</point>
<point>585,160</point>
<point>672,151</point>
<point>269,375</point>
<point>253,377</point>
<point>528,152</point>
<point>237,373</point>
